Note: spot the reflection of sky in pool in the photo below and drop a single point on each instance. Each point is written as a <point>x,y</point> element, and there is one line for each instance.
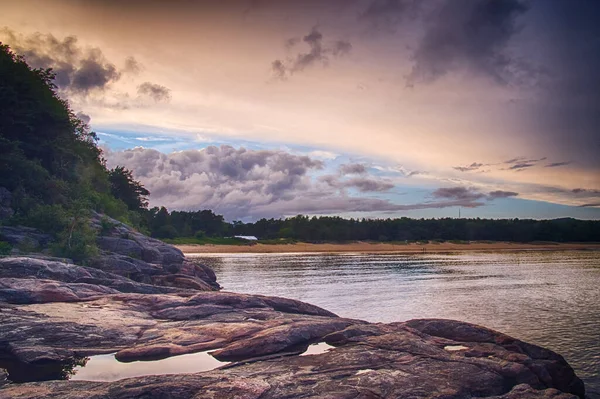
<point>317,349</point>
<point>107,368</point>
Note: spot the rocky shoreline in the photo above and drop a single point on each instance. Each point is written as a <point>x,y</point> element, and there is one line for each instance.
<point>142,300</point>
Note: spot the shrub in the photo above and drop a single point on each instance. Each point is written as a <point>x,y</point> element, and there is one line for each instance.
<point>5,248</point>
<point>77,242</point>
<point>49,218</point>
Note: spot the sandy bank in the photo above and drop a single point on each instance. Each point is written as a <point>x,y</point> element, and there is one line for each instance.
<point>382,247</point>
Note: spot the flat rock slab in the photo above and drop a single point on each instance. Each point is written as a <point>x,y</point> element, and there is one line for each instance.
<point>262,337</point>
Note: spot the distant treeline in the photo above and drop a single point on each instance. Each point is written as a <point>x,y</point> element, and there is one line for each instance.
<point>205,223</point>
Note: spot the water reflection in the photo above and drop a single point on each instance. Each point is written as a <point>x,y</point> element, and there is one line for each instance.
<point>550,298</point>
<point>107,368</point>
<point>317,349</point>
<point>43,371</point>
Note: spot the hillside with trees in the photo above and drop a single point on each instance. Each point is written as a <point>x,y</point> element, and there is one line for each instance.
<point>51,165</point>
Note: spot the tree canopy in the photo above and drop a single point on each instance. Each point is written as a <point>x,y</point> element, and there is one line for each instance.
<point>51,164</point>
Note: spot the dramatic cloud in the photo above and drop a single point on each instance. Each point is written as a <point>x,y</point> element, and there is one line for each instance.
<point>458,193</point>
<point>568,111</point>
<point>341,47</point>
<point>501,194</point>
<point>157,92</point>
<point>318,54</point>
<point>468,168</point>
<point>352,168</point>
<point>250,184</point>
<point>557,164</point>
<point>362,184</point>
<point>78,69</point>
<point>521,166</point>
<point>278,69</point>
<point>132,66</point>
<point>230,181</point>
<point>385,15</point>
<point>521,163</point>
<point>470,194</point>
<point>471,36</point>
<point>586,192</point>
<point>517,164</point>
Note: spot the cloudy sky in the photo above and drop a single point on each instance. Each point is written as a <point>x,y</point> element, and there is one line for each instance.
<point>368,108</point>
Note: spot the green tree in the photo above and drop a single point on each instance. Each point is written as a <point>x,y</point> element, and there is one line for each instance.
<point>124,187</point>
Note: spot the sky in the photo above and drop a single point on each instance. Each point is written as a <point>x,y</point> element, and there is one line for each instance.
<point>364,108</point>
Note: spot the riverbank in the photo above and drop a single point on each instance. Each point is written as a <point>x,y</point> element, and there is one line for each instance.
<point>384,247</point>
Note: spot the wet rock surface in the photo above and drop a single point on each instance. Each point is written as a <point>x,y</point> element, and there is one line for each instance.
<point>143,301</point>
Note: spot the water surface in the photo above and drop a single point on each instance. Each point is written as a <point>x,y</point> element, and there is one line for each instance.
<point>549,298</point>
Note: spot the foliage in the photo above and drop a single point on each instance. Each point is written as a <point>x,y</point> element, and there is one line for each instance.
<point>106,226</point>
<point>401,230</point>
<point>5,248</point>
<point>77,241</point>
<point>50,162</point>
<point>128,190</point>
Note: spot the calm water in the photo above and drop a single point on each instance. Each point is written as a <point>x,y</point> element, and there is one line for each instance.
<point>548,298</point>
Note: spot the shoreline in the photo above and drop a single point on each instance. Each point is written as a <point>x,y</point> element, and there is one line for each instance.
<point>367,247</point>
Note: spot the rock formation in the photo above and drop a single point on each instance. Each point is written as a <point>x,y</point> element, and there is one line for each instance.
<point>143,301</point>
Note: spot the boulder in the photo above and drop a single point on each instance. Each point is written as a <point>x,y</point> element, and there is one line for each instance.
<point>131,254</point>
<point>120,246</point>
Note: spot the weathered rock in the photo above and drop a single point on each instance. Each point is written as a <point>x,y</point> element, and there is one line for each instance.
<point>26,280</point>
<point>143,259</point>
<point>122,246</point>
<point>338,384</point>
<point>416,359</point>
<point>123,240</point>
<point>3,377</point>
<point>126,266</point>
<point>24,291</point>
<point>20,236</point>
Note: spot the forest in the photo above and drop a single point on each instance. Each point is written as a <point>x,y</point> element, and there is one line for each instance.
<point>204,224</point>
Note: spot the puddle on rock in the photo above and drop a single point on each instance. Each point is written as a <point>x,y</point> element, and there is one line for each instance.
<point>454,348</point>
<point>317,349</point>
<point>107,368</point>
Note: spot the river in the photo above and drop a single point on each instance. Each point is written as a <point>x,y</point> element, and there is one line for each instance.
<point>549,298</point>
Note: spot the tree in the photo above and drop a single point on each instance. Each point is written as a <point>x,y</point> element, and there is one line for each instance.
<point>130,191</point>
